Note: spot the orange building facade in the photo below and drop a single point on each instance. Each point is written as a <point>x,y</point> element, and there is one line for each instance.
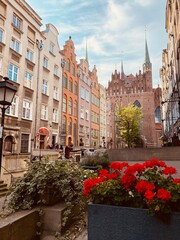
<point>69,127</point>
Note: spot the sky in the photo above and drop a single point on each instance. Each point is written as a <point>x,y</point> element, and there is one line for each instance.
<point>113,29</point>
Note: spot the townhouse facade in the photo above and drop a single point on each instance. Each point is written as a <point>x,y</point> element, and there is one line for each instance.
<point>84,120</point>
<point>31,60</point>
<point>102,117</point>
<point>170,76</point>
<point>70,94</point>
<point>95,109</point>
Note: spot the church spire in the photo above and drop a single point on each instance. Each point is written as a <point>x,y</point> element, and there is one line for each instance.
<point>122,71</point>
<point>122,68</point>
<point>86,52</point>
<point>147,64</point>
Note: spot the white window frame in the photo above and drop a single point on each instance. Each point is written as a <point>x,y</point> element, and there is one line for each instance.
<point>29,55</point>
<point>44,112</point>
<point>87,115</point>
<point>45,87</point>
<point>14,72</point>
<point>45,62</point>
<point>87,96</point>
<point>2,32</point>
<point>15,45</point>
<point>82,112</point>
<point>56,70</point>
<point>55,115</point>
<point>27,110</point>
<point>82,92</point>
<point>52,48</point>
<point>28,80</point>
<point>13,108</point>
<point>56,93</point>
<point>17,21</point>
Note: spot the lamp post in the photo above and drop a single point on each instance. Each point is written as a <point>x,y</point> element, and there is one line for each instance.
<point>7,93</point>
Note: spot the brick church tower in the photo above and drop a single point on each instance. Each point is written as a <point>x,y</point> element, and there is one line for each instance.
<point>131,89</point>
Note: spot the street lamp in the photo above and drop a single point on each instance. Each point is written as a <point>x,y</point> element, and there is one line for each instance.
<point>7,93</point>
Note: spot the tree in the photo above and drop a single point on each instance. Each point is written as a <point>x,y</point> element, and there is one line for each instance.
<point>129,123</point>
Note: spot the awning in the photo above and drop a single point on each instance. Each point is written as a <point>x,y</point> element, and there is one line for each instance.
<point>43,130</point>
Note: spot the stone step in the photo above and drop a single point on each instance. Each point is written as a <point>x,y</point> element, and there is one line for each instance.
<point>52,220</point>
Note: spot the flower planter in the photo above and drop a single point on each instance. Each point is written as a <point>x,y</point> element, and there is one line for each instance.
<point>122,223</point>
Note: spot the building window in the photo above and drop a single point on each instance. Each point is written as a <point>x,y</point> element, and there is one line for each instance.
<point>52,48</point>
<point>1,34</point>
<point>87,80</point>
<point>15,45</point>
<point>29,55</point>
<point>67,66</point>
<point>56,68</point>
<point>73,70</point>
<point>75,89</point>
<point>64,81</point>
<point>64,104</point>
<point>75,109</point>
<point>45,87</point>
<point>17,22</point>
<point>70,127</point>
<point>28,80</point>
<point>82,92</point>
<point>24,143</point>
<point>87,96</point>
<point>27,110</point>
<point>82,112</point>
<point>44,112</point>
<point>87,114</point>
<point>157,115</point>
<point>70,86</point>
<point>13,108</point>
<point>8,144</point>
<point>56,93</point>
<point>70,107</point>
<point>13,73</point>
<point>45,62</point>
<point>55,115</point>
<point>64,125</point>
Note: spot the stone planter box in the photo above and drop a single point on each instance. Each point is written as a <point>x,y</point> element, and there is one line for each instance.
<point>122,223</point>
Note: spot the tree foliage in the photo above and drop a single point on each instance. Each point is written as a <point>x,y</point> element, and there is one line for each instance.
<point>129,123</point>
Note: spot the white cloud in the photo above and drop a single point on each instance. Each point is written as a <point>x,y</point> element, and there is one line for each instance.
<point>118,16</point>
<point>144,3</point>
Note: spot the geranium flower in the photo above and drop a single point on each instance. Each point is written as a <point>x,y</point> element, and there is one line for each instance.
<point>149,195</point>
<point>169,171</point>
<point>144,186</point>
<point>163,194</point>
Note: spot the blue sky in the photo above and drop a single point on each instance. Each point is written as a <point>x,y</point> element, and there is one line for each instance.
<point>114,29</point>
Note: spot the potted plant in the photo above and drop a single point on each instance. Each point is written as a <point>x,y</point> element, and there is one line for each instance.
<point>141,201</point>
<point>95,161</point>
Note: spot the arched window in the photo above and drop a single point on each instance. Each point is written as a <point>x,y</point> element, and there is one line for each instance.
<point>137,103</point>
<point>157,115</point>
<point>64,123</point>
<point>8,143</point>
<point>70,126</point>
<point>70,106</point>
<point>64,103</point>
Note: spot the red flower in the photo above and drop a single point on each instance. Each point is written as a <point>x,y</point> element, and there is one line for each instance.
<point>169,170</point>
<point>90,183</point>
<point>163,194</point>
<point>176,180</point>
<point>143,186</point>
<point>127,180</point>
<point>118,166</point>
<point>138,167</point>
<point>154,162</point>
<point>149,195</point>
